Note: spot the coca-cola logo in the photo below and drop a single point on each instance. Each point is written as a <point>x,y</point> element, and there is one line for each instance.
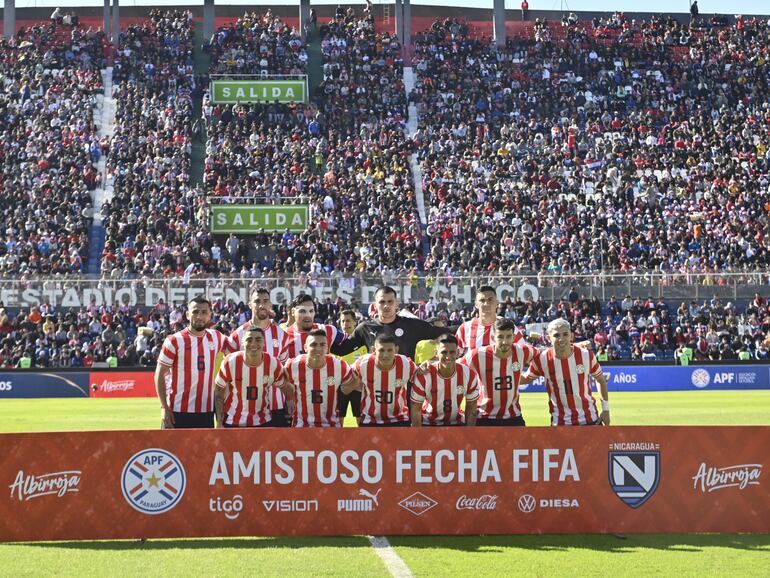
<point>483,502</point>
<point>110,386</point>
<point>28,486</point>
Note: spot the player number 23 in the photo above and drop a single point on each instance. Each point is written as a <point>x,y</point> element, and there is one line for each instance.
<point>504,383</point>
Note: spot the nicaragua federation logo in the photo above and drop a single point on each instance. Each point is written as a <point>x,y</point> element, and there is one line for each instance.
<point>634,476</point>
<point>700,378</point>
<point>153,481</point>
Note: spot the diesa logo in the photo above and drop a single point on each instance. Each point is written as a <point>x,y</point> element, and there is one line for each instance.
<point>6,385</point>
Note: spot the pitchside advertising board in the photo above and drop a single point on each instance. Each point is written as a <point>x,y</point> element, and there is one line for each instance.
<point>258,91</point>
<point>251,219</point>
<point>25,384</point>
<point>679,378</point>
<point>66,486</point>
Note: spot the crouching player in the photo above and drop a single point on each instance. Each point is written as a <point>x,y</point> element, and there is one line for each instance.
<point>385,376</point>
<point>312,380</point>
<point>246,384</point>
<point>437,394</point>
<point>567,369</point>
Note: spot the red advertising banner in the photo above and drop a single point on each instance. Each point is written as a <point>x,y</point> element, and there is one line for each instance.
<point>152,484</point>
<point>122,384</point>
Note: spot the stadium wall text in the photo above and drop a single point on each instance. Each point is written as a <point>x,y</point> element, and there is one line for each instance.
<point>251,219</point>
<point>140,293</point>
<point>258,91</point>
<point>162,484</point>
<point>96,383</point>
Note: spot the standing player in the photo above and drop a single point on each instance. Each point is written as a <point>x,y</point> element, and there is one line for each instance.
<point>567,369</point>
<point>438,393</point>
<point>477,332</point>
<point>312,380</point>
<point>348,324</point>
<point>303,311</point>
<point>408,331</point>
<point>384,377</point>
<point>247,382</point>
<point>189,355</point>
<point>499,367</point>
<point>261,316</point>
<point>275,343</point>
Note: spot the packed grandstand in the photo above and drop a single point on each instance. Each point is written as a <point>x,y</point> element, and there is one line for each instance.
<point>580,148</point>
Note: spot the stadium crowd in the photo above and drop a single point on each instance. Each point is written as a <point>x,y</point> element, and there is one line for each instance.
<point>620,329</point>
<point>574,152</point>
<point>618,145</point>
<point>153,221</point>
<point>345,154</point>
<point>50,81</point>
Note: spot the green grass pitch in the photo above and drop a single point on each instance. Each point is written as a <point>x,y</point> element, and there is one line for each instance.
<point>428,556</point>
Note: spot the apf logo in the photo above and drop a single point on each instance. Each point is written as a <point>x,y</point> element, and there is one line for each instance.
<point>418,503</point>
<point>153,481</point>
<point>700,378</point>
<point>367,503</point>
<point>230,508</point>
<point>634,475</point>
<point>527,503</point>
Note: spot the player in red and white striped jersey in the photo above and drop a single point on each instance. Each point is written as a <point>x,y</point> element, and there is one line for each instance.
<point>567,369</point>
<point>189,355</point>
<point>499,367</point>
<point>275,345</point>
<point>384,377</point>
<point>303,310</point>
<point>246,384</point>
<point>477,332</point>
<point>312,380</point>
<point>438,394</point>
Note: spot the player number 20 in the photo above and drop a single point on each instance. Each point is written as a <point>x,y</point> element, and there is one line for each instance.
<point>504,383</point>
<point>383,396</point>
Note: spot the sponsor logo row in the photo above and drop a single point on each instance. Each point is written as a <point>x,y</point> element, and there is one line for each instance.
<point>153,481</point>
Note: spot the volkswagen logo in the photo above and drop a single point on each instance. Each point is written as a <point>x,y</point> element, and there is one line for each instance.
<point>527,503</point>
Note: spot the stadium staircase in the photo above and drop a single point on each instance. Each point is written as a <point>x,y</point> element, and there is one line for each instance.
<point>104,119</point>
<point>201,62</point>
<point>414,164</point>
<point>315,65</point>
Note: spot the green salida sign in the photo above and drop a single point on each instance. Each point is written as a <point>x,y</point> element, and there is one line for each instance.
<point>249,219</point>
<point>258,91</point>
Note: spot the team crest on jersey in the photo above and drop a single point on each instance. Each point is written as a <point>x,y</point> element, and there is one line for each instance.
<point>634,476</point>
<point>330,381</point>
<point>461,389</point>
<point>153,481</point>
<point>400,383</point>
<point>580,368</point>
<point>516,366</point>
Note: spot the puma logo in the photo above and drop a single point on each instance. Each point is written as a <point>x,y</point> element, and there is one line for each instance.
<point>373,497</point>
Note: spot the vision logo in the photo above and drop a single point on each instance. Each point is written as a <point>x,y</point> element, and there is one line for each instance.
<point>634,476</point>
<point>153,481</point>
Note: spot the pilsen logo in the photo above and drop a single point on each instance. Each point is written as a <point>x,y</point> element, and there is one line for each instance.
<point>740,476</point>
<point>418,503</point>
<point>28,486</point>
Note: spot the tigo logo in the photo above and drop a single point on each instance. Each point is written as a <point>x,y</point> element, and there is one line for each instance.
<point>418,503</point>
